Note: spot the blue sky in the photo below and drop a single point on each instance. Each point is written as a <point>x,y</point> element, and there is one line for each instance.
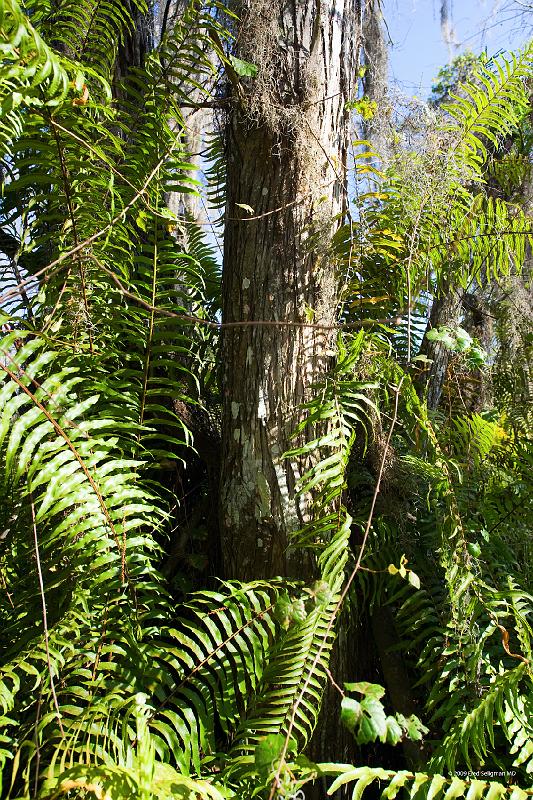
<point>418,48</point>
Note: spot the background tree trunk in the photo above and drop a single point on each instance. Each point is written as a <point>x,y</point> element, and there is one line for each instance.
<point>138,41</point>
<point>287,142</point>
<point>446,310</point>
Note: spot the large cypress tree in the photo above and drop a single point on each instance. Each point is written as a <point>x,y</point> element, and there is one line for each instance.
<point>287,145</point>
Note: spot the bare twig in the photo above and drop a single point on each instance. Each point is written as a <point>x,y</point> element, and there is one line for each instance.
<point>299,199</point>
<point>16,289</point>
<point>264,323</point>
<point>334,682</point>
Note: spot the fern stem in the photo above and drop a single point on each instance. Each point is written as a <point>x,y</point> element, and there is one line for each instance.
<point>212,654</point>
<point>70,206</point>
<point>45,617</point>
<point>338,605</point>
<point>149,340</point>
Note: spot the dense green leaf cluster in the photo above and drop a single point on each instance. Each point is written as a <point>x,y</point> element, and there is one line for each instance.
<point>108,306</point>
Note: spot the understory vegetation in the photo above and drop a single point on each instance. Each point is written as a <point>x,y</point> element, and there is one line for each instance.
<point>130,666</point>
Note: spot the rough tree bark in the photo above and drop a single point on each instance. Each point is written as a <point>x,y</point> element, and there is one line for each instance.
<point>287,147</point>
<point>287,141</point>
<point>446,310</point>
<point>513,312</point>
<point>137,42</point>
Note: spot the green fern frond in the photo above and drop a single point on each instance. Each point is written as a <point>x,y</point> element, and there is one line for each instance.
<point>294,680</point>
<point>71,462</point>
<point>292,686</point>
<point>473,735</point>
<point>432,785</point>
<point>32,75</point>
<point>493,102</point>
<point>218,652</point>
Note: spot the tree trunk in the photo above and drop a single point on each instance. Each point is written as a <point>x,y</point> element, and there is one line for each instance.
<point>287,144</point>
<point>397,680</point>
<point>137,42</point>
<point>446,310</point>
